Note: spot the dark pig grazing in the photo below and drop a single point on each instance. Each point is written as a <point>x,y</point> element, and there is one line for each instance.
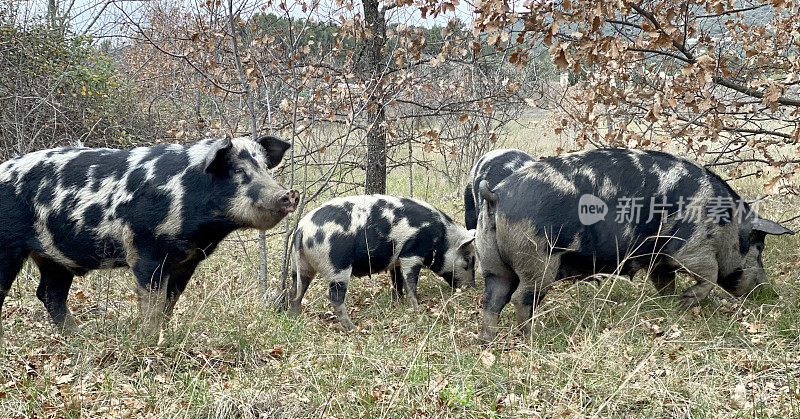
<point>362,235</point>
<point>614,211</point>
<point>492,167</point>
<point>159,210</point>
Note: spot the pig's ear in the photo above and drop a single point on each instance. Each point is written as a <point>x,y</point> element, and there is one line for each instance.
<point>215,159</point>
<point>275,149</point>
<point>770,227</point>
<point>487,193</point>
<point>466,241</point>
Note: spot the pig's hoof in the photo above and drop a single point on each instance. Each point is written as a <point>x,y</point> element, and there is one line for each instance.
<point>689,300</point>
<point>485,339</point>
<point>148,328</point>
<point>412,302</point>
<point>667,292</point>
<point>345,322</point>
<point>68,327</point>
<point>525,331</point>
<point>347,325</point>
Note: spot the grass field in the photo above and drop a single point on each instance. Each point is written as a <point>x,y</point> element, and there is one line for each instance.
<point>596,350</point>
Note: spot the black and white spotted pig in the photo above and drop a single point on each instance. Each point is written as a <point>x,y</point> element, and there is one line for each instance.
<point>492,167</point>
<point>575,214</point>
<point>361,235</point>
<point>159,210</point>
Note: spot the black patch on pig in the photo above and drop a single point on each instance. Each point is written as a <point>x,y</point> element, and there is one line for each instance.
<point>245,155</point>
<point>448,277</point>
<point>16,229</point>
<point>204,212</point>
<point>75,172</point>
<point>136,179</point>
<point>370,249</point>
<point>109,163</point>
<point>317,238</point>
<point>169,164</point>
<point>495,169</point>
<point>78,244</point>
<point>254,192</point>
<point>744,241</point>
<point>39,174</point>
<point>337,292</point>
<point>154,152</point>
<point>730,282</point>
<point>46,194</point>
<point>93,215</point>
<point>341,215</point>
<point>106,163</point>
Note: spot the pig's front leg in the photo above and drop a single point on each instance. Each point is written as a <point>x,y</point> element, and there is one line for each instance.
<point>152,275</point>
<point>703,266</point>
<point>178,279</point>
<point>53,290</point>
<point>410,268</point>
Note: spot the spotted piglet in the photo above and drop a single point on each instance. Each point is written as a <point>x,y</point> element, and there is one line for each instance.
<point>361,235</point>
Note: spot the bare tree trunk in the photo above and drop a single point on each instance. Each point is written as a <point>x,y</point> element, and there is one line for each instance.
<point>410,170</point>
<point>376,137</point>
<point>52,11</point>
<point>263,283</point>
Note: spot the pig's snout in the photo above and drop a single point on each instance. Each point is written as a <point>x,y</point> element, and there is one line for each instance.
<point>289,201</point>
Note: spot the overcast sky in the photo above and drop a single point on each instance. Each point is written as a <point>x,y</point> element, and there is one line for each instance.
<point>103,17</point>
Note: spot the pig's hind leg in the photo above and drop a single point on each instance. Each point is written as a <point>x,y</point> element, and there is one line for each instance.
<point>535,280</point>
<point>397,282</point>
<point>499,287</point>
<point>299,288</point>
<point>9,268</point>
<point>525,299</point>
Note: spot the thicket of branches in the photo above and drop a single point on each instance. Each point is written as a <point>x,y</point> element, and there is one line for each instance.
<point>57,88</point>
<point>713,79</point>
<point>436,91</point>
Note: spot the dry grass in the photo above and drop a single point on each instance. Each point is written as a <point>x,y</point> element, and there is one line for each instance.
<point>609,349</point>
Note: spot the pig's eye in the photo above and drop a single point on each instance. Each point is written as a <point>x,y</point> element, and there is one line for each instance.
<point>239,171</point>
